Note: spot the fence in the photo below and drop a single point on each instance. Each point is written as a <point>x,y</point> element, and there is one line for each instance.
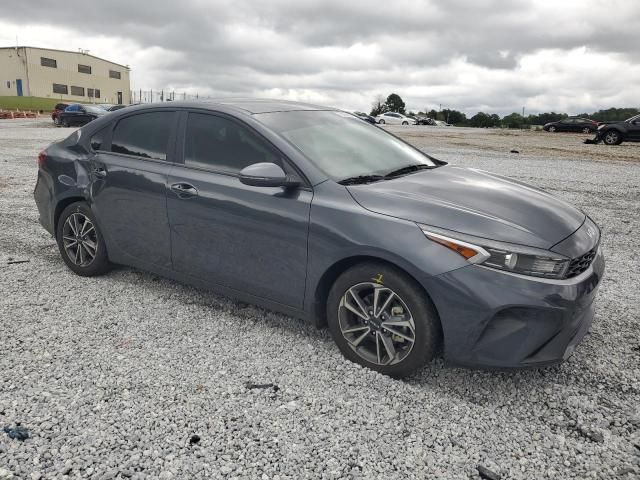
<point>153,96</point>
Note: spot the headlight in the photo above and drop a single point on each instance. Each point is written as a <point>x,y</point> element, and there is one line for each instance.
<point>501,256</point>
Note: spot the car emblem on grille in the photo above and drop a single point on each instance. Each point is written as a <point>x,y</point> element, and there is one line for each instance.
<point>591,232</point>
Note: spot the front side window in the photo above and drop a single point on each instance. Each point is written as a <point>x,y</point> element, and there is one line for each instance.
<point>219,144</point>
<point>98,139</point>
<point>343,146</point>
<point>145,135</point>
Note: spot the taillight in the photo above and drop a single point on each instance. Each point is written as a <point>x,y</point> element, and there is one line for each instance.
<point>42,157</point>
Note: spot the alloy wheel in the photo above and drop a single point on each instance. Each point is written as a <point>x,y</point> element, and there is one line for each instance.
<point>80,239</point>
<point>611,138</point>
<point>376,323</point>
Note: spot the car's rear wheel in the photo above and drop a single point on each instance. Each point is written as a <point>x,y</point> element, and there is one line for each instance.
<point>380,318</point>
<point>381,121</point>
<point>612,137</point>
<point>552,129</point>
<point>80,241</point>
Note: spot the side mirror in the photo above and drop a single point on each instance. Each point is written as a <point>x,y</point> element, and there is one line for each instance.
<point>266,174</point>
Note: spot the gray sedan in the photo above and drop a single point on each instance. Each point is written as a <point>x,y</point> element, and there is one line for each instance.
<point>312,212</point>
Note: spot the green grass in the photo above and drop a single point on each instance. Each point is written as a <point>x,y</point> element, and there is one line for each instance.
<point>28,103</point>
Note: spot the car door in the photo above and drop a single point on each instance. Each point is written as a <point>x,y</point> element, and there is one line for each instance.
<point>251,239</point>
<point>82,116</point>
<point>633,129</point>
<point>129,187</point>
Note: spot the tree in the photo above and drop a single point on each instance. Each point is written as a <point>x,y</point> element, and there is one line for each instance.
<point>378,106</point>
<point>453,117</point>
<point>394,103</point>
<point>515,120</point>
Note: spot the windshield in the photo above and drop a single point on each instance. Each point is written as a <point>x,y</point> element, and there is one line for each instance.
<point>90,108</point>
<point>342,145</point>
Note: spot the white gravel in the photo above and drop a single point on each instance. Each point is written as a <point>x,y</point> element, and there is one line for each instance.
<point>112,377</point>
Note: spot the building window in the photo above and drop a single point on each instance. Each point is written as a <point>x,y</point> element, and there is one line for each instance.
<point>93,93</point>
<point>58,88</point>
<point>8,84</point>
<point>77,91</point>
<point>84,68</point>
<point>114,74</point>
<point>48,62</point>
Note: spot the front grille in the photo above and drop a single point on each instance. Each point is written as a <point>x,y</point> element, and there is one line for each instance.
<point>580,264</point>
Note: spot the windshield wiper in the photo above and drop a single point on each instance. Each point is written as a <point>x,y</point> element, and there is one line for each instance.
<point>409,169</point>
<point>361,179</point>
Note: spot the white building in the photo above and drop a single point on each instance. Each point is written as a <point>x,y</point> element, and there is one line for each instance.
<point>67,76</point>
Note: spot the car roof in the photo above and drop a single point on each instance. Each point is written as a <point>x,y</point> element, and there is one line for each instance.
<point>244,105</point>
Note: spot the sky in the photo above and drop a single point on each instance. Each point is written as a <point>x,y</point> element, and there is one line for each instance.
<point>492,56</point>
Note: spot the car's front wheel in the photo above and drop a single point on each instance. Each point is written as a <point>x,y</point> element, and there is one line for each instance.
<point>612,137</point>
<point>56,121</point>
<point>586,130</point>
<point>80,241</point>
<point>552,129</point>
<point>380,318</point>
<point>381,121</point>
<point>405,123</point>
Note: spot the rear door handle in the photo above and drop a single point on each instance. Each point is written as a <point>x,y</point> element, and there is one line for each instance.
<point>184,190</point>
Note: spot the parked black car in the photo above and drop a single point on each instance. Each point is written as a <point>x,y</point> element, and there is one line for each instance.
<point>78,115</point>
<point>617,132</point>
<point>365,117</point>
<point>312,212</point>
<point>574,124</point>
<point>426,121</point>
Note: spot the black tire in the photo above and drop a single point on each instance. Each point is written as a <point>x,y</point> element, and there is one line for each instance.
<point>65,123</point>
<point>612,137</point>
<point>426,331</point>
<point>99,264</point>
<point>405,123</point>
<point>381,121</point>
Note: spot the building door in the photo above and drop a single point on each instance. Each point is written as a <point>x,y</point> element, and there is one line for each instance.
<point>19,86</point>
<point>119,98</point>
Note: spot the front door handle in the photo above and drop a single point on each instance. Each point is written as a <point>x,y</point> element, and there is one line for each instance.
<point>184,190</point>
<point>100,172</point>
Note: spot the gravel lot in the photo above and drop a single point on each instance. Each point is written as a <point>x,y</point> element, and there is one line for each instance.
<point>131,375</point>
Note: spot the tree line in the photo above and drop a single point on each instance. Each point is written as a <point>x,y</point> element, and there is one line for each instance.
<point>394,103</point>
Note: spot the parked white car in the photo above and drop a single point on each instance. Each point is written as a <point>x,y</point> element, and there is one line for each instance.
<point>393,118</point>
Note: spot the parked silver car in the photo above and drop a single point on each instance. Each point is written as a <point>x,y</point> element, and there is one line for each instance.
<point>393,118</point>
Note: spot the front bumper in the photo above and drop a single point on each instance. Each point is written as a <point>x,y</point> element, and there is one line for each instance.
<point>501,320</point>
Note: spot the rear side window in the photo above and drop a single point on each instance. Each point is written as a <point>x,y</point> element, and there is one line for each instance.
<point>98,139</point>
<point>145,135</point>
<point>216,143</point>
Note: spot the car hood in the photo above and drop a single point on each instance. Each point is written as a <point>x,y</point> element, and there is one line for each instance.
<point>473,202</point>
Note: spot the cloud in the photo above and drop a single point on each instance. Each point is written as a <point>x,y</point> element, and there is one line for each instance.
<point>493,55</point>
